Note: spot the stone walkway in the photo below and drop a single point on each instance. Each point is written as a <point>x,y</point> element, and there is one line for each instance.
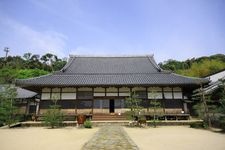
<point>110,137</point>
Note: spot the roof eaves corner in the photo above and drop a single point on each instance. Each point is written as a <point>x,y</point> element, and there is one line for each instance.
<point>71,59</point>
<point>153,62</point>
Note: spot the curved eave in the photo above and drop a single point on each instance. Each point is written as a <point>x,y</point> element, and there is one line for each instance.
<point>161,79</point>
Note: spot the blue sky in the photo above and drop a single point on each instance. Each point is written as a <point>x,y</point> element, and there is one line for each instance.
<point>169,29</point>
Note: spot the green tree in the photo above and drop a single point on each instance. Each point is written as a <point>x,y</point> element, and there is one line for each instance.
<point>155,105</point>
<point>8,110</point>
<point>58,64</point>
<point>222,104</point>
<point>203,68</point>
<point>49,59</point>
<point>134,103</point>
<point>29,73</point>
<point>203,110</point>
<point>7,75</point>
<point>196,67</point>
<point>53,117</point>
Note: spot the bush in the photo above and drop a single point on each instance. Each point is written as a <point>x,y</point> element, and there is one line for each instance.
<point>53,117</point>
<point>198,125</point>
<point>1,123</point>
<point>88,124</point>
<point>222,123</point>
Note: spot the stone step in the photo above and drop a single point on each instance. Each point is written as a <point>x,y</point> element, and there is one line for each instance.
<point>101,117</point>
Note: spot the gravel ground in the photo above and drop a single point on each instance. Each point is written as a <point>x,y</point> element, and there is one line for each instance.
<point>111,137</point>
<point>176,138</point>
<point>38,138</point>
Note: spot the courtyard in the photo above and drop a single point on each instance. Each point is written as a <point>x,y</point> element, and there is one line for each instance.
<point>160,138</point>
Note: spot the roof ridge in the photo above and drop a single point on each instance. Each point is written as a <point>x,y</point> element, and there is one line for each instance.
<point>68,64</point>
<point>152,61</point>
<point>114,73</point>
<point>110,56</point>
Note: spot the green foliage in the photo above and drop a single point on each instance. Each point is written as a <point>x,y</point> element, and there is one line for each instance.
<point>198,125</point>
<point>199,110</point>
<point>29,73</point>
<point>199,67</point>
<point>222,105</point>
<point>222,97</point>
<point>203,68</point>
<point>8,110</point>
<point>222,123</point>
<point>154,104</point>
<point>7,75</point>
<point>174,65</point>
<point>53,117</point>
<point>57,65</point>
<point>30,65</point>
<point>133,102</point>
<point>88,124</point>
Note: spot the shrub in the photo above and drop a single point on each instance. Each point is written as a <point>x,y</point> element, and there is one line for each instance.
<point>8,109</point>
<point>198,125</point>
<point>222,123</point>
<point>88,124</point>
<point>53,117</point>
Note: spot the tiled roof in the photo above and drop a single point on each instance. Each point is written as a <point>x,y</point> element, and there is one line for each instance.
<point>95,71</point>
<point>21,93</point>
<point>110,65</point>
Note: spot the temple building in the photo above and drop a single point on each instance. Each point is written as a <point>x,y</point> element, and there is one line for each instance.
<point>100,85</point>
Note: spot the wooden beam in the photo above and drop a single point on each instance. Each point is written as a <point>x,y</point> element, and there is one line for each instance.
<point>92,101</point>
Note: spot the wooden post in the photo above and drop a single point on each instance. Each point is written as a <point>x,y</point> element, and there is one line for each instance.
<point>27,107</point>
<point>76,102</point>
<point>172,93</point>
<point>92,101</point>
<point>163,100</point>
<point>37,107</point>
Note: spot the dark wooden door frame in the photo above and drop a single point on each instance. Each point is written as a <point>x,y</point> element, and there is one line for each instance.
<point>111,105</point>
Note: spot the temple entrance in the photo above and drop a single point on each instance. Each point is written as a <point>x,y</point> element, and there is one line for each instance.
<point>101,106</point>
<point>105,106</point>
<point>111,106</point>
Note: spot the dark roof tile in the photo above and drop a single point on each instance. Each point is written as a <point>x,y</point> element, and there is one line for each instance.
<point>83,71</point>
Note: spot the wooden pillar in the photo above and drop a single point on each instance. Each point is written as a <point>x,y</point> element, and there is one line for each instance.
<point>51,94</point>
<point>76,102</point>
<point>60,96</point>
<point>27,107</point>
<point>163,101</point>
<point>105,91</point>
<point>38,107</point>
<point>147,100</point>
<point>130,91</point>
<point>92,101</point>
<point>185,108</point>
<point>172,93</point>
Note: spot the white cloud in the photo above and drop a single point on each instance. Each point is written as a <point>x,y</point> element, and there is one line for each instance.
<point>22,38</point>
<point>81,50</point>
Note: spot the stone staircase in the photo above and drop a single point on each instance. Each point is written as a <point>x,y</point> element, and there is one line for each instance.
<point>108,117</point>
